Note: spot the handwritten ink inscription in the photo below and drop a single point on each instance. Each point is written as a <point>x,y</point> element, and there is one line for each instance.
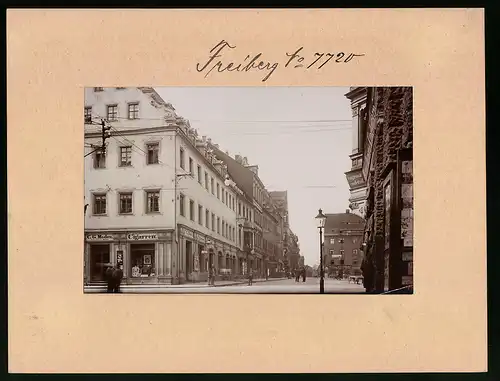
<point>297,59</point>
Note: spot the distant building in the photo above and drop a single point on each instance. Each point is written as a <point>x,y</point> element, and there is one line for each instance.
<point>291,248</point>
<point>264,223</point>
<point>343,237</point>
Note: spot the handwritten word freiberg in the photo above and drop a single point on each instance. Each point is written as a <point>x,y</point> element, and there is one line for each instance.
<point>295,60</point>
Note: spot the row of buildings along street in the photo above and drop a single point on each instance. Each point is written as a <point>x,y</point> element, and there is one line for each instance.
<point>167,205</point>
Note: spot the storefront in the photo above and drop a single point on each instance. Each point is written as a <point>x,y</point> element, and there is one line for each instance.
<point>146,257</point>
<point>199,252</point>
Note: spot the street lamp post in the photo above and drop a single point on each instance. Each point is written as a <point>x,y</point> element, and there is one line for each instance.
<point>321,218</point>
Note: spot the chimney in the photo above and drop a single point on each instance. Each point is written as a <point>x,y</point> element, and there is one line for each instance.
<point>204,138</point>
<point>347,211</point>
<point>237,158</point>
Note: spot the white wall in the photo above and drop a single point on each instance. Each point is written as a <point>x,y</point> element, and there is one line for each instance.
<point>149,116</point>
<point>137,178</point>
<point>197,192</point>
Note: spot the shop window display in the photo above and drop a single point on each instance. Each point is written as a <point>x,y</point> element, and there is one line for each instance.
<point>142,260</point>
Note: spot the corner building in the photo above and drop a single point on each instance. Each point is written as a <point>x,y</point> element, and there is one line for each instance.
<point>158,203</point>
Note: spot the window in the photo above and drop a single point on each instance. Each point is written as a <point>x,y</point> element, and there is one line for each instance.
<point>218,225</point>
<point>125,156</point>
<point>153,202</point>
<point>153,149</point>
<point>100,203</point>
<point>125,203</point>
<point>207,219</point>
<point>239,209</point>
<point>332,252</point>
<point>96,89</point>
<point>112,112</point>
<point>200,214</point>
<point>199,174</point>
<point>223,229</point>
<point>218,191</point>
<point>191,210</point>
<point>212,188</point>
<point>181,205</point>
<point>181,159</point>
<point>213,222</point>
<point>206,180</point>
<point>133,110</point>
<point>87,114</point>
<point>191,167</point>
<point>222,199</point>
<point>332,241</point>
<point>99,159</point>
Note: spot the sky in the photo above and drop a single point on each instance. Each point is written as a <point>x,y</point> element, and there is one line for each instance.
<point>300,137</point>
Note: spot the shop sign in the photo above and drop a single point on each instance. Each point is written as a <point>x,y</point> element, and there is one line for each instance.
<point>407,256</point>
<point>142,237</point>
<point>355,179</point>
<point>407,280</point>
<point>99,237</point>
<point>187,233</point>
<point>119,257</point>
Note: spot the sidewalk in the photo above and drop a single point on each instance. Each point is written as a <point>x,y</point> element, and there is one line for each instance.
<point>124,287</point>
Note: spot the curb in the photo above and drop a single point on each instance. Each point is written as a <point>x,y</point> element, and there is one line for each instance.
<point>125,287</point>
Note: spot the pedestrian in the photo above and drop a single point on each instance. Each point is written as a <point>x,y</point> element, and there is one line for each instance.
<point>303,275</point>
<point>213,276</point>
<point>367,271</point>
<point>117,278</point>
<point>250,277</point>
<point>108,276</point>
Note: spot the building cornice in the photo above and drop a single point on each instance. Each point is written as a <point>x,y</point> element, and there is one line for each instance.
<point>356,91</point>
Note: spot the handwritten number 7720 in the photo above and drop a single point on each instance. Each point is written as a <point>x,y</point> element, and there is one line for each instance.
<point>329,56</point>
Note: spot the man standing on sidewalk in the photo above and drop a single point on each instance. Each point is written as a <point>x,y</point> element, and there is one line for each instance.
<point>250,276</point>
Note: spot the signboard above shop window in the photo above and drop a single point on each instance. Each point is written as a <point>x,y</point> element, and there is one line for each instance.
<point>99,237</point>
<point>142,237</point>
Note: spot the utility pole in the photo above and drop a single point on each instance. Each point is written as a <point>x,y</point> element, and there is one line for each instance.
<point>106,134</point>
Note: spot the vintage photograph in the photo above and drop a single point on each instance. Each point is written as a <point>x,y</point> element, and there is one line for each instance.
<point>260,190</point>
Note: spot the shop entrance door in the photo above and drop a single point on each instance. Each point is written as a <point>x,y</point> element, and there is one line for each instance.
<point>99,257</point>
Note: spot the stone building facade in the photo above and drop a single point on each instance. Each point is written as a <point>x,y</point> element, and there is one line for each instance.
<point>387,169</point>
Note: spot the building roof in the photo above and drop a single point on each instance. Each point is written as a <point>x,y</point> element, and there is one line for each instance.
<point>343,221</point>
<point>241,175</point>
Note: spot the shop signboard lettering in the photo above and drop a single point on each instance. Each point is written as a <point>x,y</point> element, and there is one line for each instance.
<point>355,179</point>
<point>407,256</point>
<point>99,237</point>
<point>142,237</point>
<point>187,233</point>
<point>407,280</point>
